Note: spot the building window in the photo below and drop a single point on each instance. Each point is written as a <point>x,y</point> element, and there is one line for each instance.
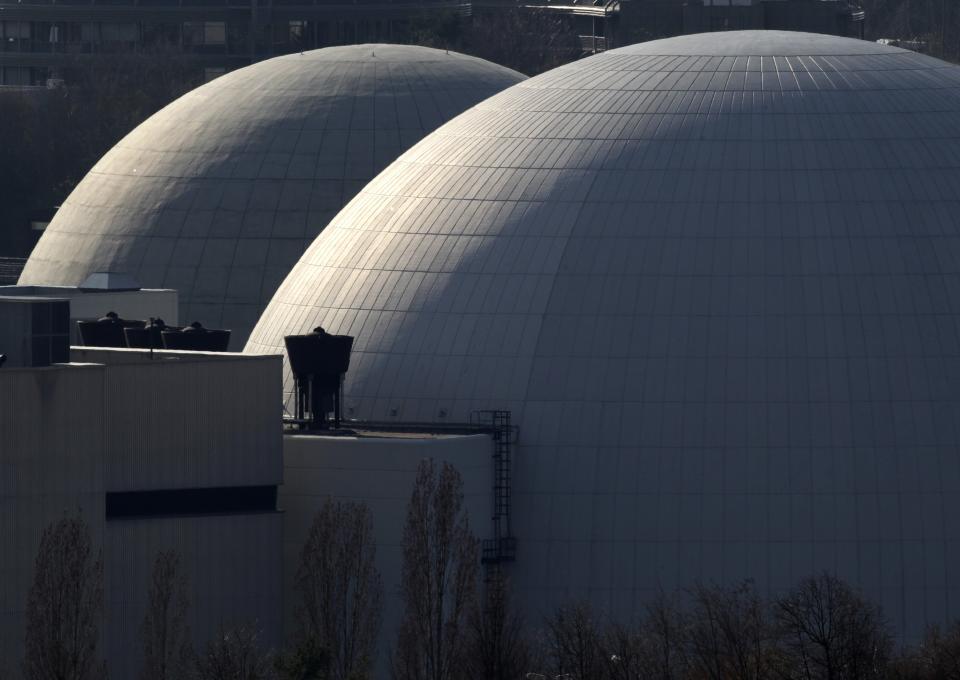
<point>161,34</point>
<point>298,29</point>
<point>213,72</point>
<point>205,33</point>
<point>110,32</point>
<point>14,75</point>
<point>15,30</point>
<point>214,33</point>
<point>89,32</point>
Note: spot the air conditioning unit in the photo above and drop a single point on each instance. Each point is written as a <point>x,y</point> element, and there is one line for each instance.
<point>34,331</point>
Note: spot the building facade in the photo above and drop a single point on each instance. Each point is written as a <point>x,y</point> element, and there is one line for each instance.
<point>156,451</point>
<point>606,24</point>
<point>41,41</point>
<point>376,467</point>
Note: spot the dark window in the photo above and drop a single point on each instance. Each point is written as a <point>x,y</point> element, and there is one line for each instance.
<point>225,500</point>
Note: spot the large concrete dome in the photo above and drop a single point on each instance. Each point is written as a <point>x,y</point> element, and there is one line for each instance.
<point>218,194</point>
<point>716,279</point>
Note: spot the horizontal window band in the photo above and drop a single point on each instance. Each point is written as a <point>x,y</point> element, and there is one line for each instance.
<point>222,500</point>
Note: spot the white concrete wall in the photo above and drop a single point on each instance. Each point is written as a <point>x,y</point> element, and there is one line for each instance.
<point>380,472</point>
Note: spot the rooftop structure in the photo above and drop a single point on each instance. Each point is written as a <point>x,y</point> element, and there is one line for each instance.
<point>89,303</point>
<point>218,194</point>
<point>715,280</point>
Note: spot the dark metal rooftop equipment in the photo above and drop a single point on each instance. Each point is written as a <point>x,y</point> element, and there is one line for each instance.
<point>196,338</point>
<point>50,333</point>
<point>35,331</point>
<point>319,361</point>
<point>148,337</point>
<point>106,331</point>
<point>3,360</point>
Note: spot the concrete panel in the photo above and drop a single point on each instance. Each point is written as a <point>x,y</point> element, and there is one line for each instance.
<point>51,463</point>
<point>188,419</point>
<point>233,569</point>
<point>91,305</point>
<point>126,422</point>
<point>378,471</point>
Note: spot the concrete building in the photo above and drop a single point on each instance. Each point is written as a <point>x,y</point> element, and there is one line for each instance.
<point>42,40</point>
<point>715,279</point>
<point>182,451</point>
<point>710,285</point>
<point>607,24</point>
<point>218,194</point>
<point>161,451</point>
<point>91,303</point>
<point>376,466</point>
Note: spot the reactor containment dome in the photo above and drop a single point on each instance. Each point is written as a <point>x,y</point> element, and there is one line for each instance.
<point>716,279</point>
<point>218,194</point>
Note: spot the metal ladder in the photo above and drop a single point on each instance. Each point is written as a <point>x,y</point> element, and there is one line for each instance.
<point>503,546</point>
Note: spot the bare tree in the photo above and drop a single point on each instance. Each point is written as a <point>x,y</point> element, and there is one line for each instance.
<point>51,138</point>
<point>573,643</point>
<point>64,606</point>
<point>662,645</point>
<point>525,39</point>
<point>498,648</point>
<point>341,589</point>
<point>829,632</point>
<point>438,581</point>
<point>936,658</point>
<point>166,646</point>
<point>235,654</point>
<point>939,654</point>
<point>730,635</point>
<point>307,660</point>
<point>623,648</point>
<point>579,646</point>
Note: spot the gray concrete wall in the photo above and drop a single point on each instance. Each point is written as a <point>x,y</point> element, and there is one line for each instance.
<point>90,305</point>
<point>185,419</point>
<point>232,567</point>
<point>380,472</point>
<point>69,434</point>
<point>51,462</point>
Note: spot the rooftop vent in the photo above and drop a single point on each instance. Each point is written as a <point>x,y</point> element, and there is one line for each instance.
<point>106,331</point>
<point>116,281</point>
<point>196,338</point>
<point>318,362</point>
<point>148,337</point>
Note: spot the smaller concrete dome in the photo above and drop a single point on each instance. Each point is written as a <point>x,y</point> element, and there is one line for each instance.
<point>218,194</point>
